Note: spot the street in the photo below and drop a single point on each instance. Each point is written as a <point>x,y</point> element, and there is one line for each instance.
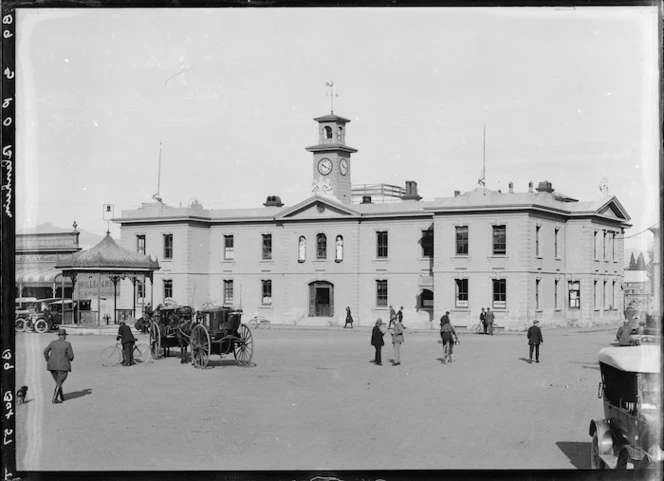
<point>314,401</point>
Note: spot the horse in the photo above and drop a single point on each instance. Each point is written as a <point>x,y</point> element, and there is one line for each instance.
<point>182,327</point>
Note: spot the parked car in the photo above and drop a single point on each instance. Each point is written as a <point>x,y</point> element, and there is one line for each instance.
<point>24,307</point>
<point>629,435</point>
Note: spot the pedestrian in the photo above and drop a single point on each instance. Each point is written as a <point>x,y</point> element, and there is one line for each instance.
<point>393,317</point>
<point>449,336</point>
<point>397,340</point>
<point>534,340</point>
<point>349,318</point>
<point>488,318</point>
<point>377,341</point>
<point>483,320</point>
<point>59,355</point>
<point>623,334</point>
<point>127,338</point>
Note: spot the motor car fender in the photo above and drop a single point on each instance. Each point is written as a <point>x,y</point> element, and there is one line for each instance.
<point>604,435</point>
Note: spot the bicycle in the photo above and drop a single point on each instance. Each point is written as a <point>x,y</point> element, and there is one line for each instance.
<point>257,322</point>
<point>113,355</point>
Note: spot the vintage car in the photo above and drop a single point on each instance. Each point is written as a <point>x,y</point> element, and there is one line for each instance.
<point>629,435</point>
<point>24,307</point>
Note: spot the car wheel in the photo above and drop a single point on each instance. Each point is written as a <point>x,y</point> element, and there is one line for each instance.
<point>595,461</point>
<point>19,325</point>
<point>41,326</point>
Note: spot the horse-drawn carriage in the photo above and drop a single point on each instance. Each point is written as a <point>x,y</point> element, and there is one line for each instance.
<point>166,328</point>
<point>219,330</point>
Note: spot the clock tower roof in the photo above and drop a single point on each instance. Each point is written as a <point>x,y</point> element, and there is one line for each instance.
<point>332,118</point>
<point>330,147</point>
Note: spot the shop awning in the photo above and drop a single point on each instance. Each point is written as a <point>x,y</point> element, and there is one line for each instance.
<point>36,275</point>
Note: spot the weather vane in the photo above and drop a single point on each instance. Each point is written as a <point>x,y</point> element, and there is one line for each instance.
<point>332,95</point>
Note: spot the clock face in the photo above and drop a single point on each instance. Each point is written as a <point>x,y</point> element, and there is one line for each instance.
<point>343,166</point>
<point>324,166</point>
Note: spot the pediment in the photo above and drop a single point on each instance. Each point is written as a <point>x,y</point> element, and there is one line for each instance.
<point>613,210</point>
<point>318,207</point>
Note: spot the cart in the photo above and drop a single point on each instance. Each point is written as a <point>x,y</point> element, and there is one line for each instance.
<point>163,327</point>
<point>219,330</point>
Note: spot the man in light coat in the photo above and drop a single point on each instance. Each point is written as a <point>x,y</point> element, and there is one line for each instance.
<point>489,317</point>
<point>59,355</point>
<point>397,340</point>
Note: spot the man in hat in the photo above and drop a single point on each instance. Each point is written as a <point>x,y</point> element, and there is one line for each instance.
<point>127,338</point>
<point>624,332</point>
<point>488,318</point>
<point>59,355</point>
<point>377,341</point>
<point>534,340</point>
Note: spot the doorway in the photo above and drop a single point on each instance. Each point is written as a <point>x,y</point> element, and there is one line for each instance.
<point>321,299</point>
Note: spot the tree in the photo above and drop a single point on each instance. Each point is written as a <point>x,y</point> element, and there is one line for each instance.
<point>632,263</point>
<point>640,263</point>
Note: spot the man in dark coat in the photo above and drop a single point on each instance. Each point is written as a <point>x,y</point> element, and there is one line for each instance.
<point>377,341</point>
<point>534,340</point>
<point>393,317</point>
<point>59,355</point>
<point>127,338</point>
<point>349,318</point>
<point>483,319</point>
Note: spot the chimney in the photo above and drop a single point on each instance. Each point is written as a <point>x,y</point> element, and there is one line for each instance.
<point>457,193</point>
<point>411,191</point>
<point>273,201</point>
<point>545,187</point>
<point>530,187</point>
<point>366,199</point>
<point>511,187</point>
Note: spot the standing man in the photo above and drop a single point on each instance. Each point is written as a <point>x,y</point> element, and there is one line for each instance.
<point>377,341</point>
<point>397,340</point>
<point>125,335</point>
<point>488,318</point>
<point>393,317</point>
<point>483,319</point>
<point>59,355</point>
<point>623,334</point>
<point>534,340</point>
<point>400,316</point>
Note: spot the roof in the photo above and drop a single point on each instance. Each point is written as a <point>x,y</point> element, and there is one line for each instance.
<point>38,274</point>
<point>331,118</point>
<point>107,255</point>
<point>645,359</point>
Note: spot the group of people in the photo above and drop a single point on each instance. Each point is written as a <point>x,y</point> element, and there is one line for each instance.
<point>486,318</point>
<point>625,332</point>
<point>378,342</point>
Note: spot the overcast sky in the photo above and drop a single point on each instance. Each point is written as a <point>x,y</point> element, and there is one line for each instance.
<point>567,95</point>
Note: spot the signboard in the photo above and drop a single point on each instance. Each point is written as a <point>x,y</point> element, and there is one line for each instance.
<point>88,288</point>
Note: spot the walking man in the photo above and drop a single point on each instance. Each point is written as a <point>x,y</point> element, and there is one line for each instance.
<point>377,341</point>
<point>488,318</point>
<point>393,317</point>
<point>534,340</point>
<point>349,318</point>
<point>125,335</point>
<point>397,340</point>
<point>59,355</point>
<point>483,319</point>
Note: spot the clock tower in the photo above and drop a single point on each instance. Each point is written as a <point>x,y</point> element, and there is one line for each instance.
<point>332,156</point>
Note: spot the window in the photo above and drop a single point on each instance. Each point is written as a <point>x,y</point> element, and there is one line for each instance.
<point>302,249</point>
<point>168,246</point>
<point>267,292</point>
<point>381,293</point>
<point>426,299</point>
<point>574,291</point>
<point>140,290</point>
<point>604,240</point>
<point>537,293</point>
<point>168,288</point>
<point>140,244</point>
<point>381,244</point>
<point>228,292</point>
<point>339,249</point>
<point>555,242</point>
<point>462,240</point>
<point>556,286</point>
<point>605,295</point>
<point>267,246</point>
<point>328,132</point>
<point>613,295</point>
<point>537,240</point>
<point>499,240</point>
<point>595,295</point>
<point>229,245</point>
<point>427,243</point>
<point>321,246</point>
<point>613,246</point>
<point>595,246</point>
<point>461,293</point>
<point>499,293</point>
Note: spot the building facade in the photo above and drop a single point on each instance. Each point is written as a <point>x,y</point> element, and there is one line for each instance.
<point>536,254</point>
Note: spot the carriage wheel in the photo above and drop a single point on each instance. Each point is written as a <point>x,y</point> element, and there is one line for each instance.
<point>243,347</point>
<point>19,325</point>
<point>41,326</point>
<point>200,346</point>
<point>155,340</point>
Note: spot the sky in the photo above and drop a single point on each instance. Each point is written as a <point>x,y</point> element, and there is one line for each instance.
<point>228,96</point>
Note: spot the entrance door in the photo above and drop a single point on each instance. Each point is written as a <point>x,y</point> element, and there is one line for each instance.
<point>321,299</point>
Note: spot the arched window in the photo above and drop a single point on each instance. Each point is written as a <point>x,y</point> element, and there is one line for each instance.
<point>340,133</point>
<point>339,249</point>
<point>302,249</point>
<point>328,132</point>
<point>321,246</point>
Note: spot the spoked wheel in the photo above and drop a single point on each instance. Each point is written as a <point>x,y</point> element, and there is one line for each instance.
<point>19,325</point>
<point>142,353</point>
<point>200,346</point>
<point>155,340</point>
<point>478,328</point>
<point>243,347</point>
<point>110,356</point>
<point>41,326</point>
<point>595,461</point>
